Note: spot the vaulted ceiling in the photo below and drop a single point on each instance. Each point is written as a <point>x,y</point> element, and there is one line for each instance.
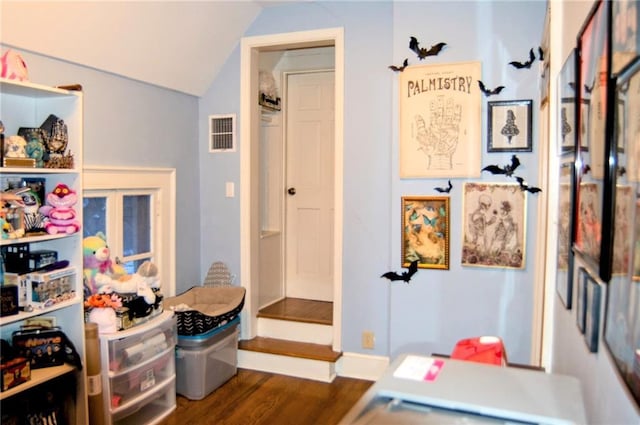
<point>180,45</point>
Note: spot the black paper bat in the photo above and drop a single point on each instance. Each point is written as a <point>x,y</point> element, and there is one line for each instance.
<point>526,187</point>
<point>572,85</point>
<point>399,68</point>
<point>422,52</point>
<point>507,170</point>
<point>488,92</point>
<point>622,171</point>
<point>527,64</point>
<point>586,168</point>
<point>540,54</point>
<point>405,276</point>
<point>589,89</point>
<point>445,189</point>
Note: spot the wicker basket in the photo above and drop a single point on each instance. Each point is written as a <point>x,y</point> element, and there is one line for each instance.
<point>208,308</point>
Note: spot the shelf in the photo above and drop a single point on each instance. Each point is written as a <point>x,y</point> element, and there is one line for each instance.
<point>30,89</point>
<point>39,170</point>
<point>33,239</point>
<point>37,312</point>
<point>38,376</point>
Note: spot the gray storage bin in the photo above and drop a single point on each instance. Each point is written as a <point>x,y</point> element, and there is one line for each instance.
<point>204,364</point>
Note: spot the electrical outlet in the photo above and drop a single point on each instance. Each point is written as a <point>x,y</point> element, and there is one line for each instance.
<point>368,340</point>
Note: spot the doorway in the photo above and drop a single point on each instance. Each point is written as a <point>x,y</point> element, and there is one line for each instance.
<point>250,230</point>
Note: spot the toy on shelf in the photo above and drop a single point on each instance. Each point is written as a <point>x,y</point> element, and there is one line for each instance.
<point>61,216</point>
<point>97,260</point>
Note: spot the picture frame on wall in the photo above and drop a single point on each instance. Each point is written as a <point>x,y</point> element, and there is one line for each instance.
<point>494,223</point>
<point>625,42</point>
<point>595,127</point>
<point>591,312</point>
<point>509,126</point>
<point>565,230</point>
<point>621,333</point>
<point>440,120</point>
<point>425,231</point>
<point>581,298</point>
<point>567,118</point>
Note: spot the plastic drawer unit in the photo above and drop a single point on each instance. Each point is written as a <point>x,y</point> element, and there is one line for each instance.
<point>138,372</point>
<point>205,362</point>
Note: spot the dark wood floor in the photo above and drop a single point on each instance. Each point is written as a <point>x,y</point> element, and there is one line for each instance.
<point>300,310</point>
<point>252,398</point>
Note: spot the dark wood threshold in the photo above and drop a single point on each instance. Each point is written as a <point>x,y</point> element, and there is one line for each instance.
<point>300,310</point>
<point>283,347</point>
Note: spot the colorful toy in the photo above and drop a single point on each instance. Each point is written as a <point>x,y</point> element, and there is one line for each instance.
<point>97,260</point>
<point>13,67</point>
<point>35,149</point>
<point>61,217</point>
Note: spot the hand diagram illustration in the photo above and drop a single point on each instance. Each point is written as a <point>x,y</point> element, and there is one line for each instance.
<point>440,140</point>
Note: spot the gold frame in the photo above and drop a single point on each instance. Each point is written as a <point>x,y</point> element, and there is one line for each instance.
<point>425,231</point>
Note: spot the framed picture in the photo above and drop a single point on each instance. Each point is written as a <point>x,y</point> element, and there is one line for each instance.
<point>594,124</point>
<point>622,313</point>
<point>509,128</point>
<point>425,231</point>
<point>494,223</point>
<point>565,231</point>
<point>625,42</point>
<point>592,312</point>
<point>581,298</point>
<point>567,118</point>
<point>440,121</point>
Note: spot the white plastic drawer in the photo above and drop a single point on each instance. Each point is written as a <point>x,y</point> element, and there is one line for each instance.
<point>135,348</point>
<point>125,387</point>
<point>149,409</point>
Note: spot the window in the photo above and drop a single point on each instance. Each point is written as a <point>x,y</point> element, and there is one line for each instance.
<point>135,209</point>
<point>126,219</point>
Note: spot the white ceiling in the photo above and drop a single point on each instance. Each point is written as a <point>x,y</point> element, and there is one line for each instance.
<point>180,45</point>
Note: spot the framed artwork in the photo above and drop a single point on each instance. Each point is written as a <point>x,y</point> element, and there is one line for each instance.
<point>594,124</point>
<point>565,231</point>
<point>622,315</point>
<point>440,121</point>
<point>509,128</point>
<point>581,298</point>
<point>425,231</point>
<point>625,40</point>
<point>567,119</point>
<point>494,224</point>
<point>592,312</point>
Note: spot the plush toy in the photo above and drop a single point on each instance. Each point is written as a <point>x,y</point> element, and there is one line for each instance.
<point>141,283</point>
<point>35,149</point>
<point>61,217</point>
<point>15,147</point>
<point>97,261</point>
<point>13,67</point>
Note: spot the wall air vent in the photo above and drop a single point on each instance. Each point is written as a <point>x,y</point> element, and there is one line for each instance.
<point>222,133</point>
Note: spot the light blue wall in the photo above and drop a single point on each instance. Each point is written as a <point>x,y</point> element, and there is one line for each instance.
<point>438,307</point>
<point>129,123</point>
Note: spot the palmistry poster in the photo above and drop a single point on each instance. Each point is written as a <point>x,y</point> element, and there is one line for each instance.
<point>440,120</point>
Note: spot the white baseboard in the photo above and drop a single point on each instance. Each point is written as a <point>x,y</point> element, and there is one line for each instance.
<point>362,366</point>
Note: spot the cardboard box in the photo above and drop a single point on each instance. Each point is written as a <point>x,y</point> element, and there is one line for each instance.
<point>15,372</point>
<point>52,287</point>
<point>41,258</point>
<point>24,287</point>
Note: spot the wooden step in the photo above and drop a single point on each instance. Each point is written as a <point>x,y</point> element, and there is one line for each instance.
<point>282,347</point>
<point>300,310</point>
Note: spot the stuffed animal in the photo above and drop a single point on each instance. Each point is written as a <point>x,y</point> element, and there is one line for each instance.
<point>97,260</point>
<point>35,149</point>
<point>13,67</point>
<point>140,283</point>
<point>61,217</point>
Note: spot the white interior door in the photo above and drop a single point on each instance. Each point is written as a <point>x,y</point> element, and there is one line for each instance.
<point>310,176</point>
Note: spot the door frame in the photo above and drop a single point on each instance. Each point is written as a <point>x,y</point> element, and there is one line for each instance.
<point>250,47</point>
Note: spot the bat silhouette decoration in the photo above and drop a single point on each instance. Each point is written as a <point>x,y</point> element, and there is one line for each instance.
<point>524,187</point>
<point>622,171</point>
<point>507,170</point>
<point>445,189</point>
<point>540,53</point>
<point>422,53</point>
<point>405,276</point>
<point>399,68</point>
<point>487,92</point>
<point>589,89</point>
<point>527,64</point>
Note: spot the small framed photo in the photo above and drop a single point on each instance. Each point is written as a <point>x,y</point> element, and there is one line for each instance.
<point>581,298</point>
<point>592,313</point>
<point>509,126</point>
<point>425,231</point>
